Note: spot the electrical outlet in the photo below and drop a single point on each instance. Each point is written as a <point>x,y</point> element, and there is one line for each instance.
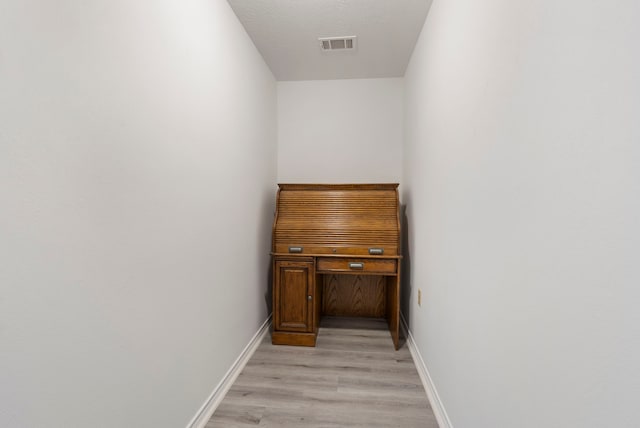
<point>419,297</point>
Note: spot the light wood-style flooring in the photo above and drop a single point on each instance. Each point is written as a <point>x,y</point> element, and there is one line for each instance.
<point>352,378</point>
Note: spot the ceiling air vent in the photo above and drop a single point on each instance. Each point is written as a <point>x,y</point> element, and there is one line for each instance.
<point>337,43</point>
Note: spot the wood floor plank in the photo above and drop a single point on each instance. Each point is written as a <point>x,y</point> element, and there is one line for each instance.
<point>352,378</point>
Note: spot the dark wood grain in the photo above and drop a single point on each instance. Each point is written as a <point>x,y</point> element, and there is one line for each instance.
<point>354,295</point>
<point>335,252</point>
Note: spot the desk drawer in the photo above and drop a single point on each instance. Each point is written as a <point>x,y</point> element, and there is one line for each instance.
<point>340,265</point>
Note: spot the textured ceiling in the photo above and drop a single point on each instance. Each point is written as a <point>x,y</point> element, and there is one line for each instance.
<point>286,34</point>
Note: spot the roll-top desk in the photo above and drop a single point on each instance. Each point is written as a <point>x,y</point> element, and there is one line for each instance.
<point>336,251</point>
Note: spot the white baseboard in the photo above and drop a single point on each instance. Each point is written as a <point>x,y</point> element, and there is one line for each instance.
<point>436,404</point>
<point>211,404</point>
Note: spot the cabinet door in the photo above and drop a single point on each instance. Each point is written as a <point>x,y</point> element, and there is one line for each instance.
<point>293,294</point>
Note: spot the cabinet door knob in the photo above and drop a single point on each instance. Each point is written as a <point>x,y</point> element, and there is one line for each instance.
<point>308,297</point>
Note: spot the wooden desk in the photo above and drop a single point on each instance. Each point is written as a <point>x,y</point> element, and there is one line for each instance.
<point>336,251</point>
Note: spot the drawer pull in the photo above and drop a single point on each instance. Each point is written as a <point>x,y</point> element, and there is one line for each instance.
<point>376,251</point>
<point>356,265</point>
<point>295,249</point>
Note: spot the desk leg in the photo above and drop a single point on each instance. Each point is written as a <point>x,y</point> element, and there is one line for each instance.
<point>393,308</point>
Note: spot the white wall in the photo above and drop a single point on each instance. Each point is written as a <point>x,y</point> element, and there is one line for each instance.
<point>340,131</point>
<point>137,179</point>
<point>522,185</point>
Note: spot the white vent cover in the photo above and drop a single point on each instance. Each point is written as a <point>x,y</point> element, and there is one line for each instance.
<point>337,43</point>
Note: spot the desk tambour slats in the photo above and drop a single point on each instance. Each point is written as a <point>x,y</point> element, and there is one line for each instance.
<point>342,219</point>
